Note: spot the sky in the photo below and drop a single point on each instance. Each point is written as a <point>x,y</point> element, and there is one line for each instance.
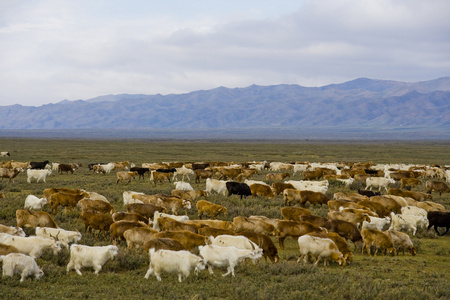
<point>52,50</point>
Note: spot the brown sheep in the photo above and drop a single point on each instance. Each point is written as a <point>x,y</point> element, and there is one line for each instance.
<point>409,182</point>
<point>174,225</point>
<point>279,187</point>
<point>210,209</point>
<point>218,224</point>
<point>345,229</point>
<point>294,213</point>
<point>33,219</point>
<point>261,190</point>
<point>188,239</point>
<point>97,205</point>
<point>265,243</point>
<point>146,210</point>
<point>375,237</point>
<point>295,230</point>
<point>277,176</point>
<point>96,221</point>
<point>418,196</point>
<point>438,186</point>
<point>163,243</point>
<point>117,229</point>
<point>339,241</point>
<point>208,231</point>
<point>254,225</point>
<point>126,177</point>
<point>7,249</point>
<point>354,218</point>
<point>390,204</point>
<point>64,200</point>
<point>125,216</point>
<point>137,236</point>
<point>401,241</point>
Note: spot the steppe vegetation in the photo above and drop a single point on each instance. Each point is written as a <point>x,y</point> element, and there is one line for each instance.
<point>424,276</point>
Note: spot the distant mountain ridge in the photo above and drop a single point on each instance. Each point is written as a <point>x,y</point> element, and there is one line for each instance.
<point>360,103</point>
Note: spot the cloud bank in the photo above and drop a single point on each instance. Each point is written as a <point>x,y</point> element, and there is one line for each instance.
<point>54,50</point>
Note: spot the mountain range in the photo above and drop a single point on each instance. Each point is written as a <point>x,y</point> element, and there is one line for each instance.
<point>358,104</point>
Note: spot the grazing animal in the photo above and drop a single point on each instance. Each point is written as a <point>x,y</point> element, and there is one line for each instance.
<point>277,176</point>
<point>96,221</point>
<point>376,223</point>
<point>218,186</point>
<point>64,200</point>
<point>345,229</point>
<point>179,262</point>
<point>138,236</point>
<point>295,229</point>
<point>140,171</point>
<point>9,173</point>
<point>38,165</point>
<point>125,216</point>
<point>210,209</point>
<point>18,263</point>
<point>163,243</point>
<point>33,202</point>
<point>125,177</point>
<point>401,242</point>
<point>279,187</point>
<point>418,196</point>
<point>146,210</point>
<point>117,229</point>
<point>261,190</point>
<point>38,175</point>
<point>238,188</point>
<point>339,241</point>
<point>265,243</point>
<point>439,219</point>
<point>33,219</point>
<point>188,239</point>
<point>183,186</point>
<point>12,230</point>
<point>319,248</point>
<point>375,237</point>
<point>4,153</point>
<point>96,205</point>
<point>438,186</point>
<point>65,168</point>
<point>65,237</point>
<point>408,223</point>
<point>184,172</point>
<point>90,256</point>
<point>228,257</point>
<point>294,213</point>
<point>379,182</point>
<point>33,246</point>
<point>254,225</point>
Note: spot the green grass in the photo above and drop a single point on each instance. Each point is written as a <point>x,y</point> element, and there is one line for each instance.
<point>424,276</point>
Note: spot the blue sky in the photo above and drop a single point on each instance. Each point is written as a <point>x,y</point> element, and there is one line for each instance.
<point>53,50</point>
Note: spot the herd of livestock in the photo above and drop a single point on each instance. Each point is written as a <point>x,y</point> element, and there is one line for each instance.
<point>374,221</point>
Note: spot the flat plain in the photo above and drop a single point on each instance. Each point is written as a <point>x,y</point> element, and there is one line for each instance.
<point>424,276</point>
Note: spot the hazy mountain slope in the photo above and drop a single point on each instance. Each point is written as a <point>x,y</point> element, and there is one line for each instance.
<point>359,103</point>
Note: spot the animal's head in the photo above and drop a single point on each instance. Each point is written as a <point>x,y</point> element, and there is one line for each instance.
<point>200,266</point>
<point>39,274</point>
<point>186,204</point>
<point>112,251</point>
<point>56,247</point>
<point>412,250</point>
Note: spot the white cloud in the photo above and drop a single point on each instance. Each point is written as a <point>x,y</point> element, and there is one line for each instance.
<point>55,50</point>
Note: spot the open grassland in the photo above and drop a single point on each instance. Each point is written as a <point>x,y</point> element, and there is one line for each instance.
<point>424,276</point>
